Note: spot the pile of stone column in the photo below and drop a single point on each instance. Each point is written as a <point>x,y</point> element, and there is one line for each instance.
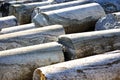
<point>60,40</point>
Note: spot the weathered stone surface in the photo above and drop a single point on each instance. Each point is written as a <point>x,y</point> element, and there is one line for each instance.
<point>60,1</point>
<point>4,8</point>
<point>17,28</point>
<point>90,43</point>
<point>23,12</point>
<point>58,6</point>
<point>1,2</point>
<point>74,19</point>
<point>30,37</point>
<point>99,67</point>
<point>8,21</point>
<point>110,21</point>
<point>20,0</point>
<point>109,6</point>
<point>19,64</point>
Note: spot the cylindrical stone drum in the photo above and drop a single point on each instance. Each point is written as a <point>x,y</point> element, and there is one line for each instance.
<point>58,6</point>
<point>17,28</point>
<point>109,6</point>
<point>74,19</point>
<point>19,63</point>
<point>23,12</point>
<point>4,8</point>
<point>31,37</point>
<point>90,43</point>
<point>99,67</point>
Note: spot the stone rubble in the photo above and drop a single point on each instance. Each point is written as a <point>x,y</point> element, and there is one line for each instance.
<point>110,21</point>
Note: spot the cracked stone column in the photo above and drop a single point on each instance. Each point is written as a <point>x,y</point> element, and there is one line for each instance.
<point>74,19</point>
<point>23,12</point>
<point>19,63</point>
<point>110,21</point>
<point>99,67</point>
<point>58,6</point>
<point>90,43</point>
<point>8,21</point>
<point>30,37</point>
<point>17,28</point>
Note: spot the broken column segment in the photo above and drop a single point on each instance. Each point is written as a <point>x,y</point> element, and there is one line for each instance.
<point>99,67</point>
<point>8,21</point>
<point>74,19</point>
<point>90,43</point>
<point>23,12</point>
<point>4,8</point>
<point>17,28</point>
<point>110,21</point>
<point>58,6</point>
<point>30,37</point>
<point>19,63</point>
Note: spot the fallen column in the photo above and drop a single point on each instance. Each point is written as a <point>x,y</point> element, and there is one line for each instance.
<point>17,28</point>
<point>110,21</point>
<point>23,12</point>
<point>8,21</point>
<point>109,6</point>
<point>74,19</point>
<point>19,63</point>
<point>58,6</point>
<point>99,67</point>
<point>4,8</point>
<point>90,43</point>
<point>30,37</point>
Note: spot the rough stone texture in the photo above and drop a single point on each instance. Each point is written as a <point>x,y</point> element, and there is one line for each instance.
<point>60,1</point>
<point>8,21</point>
<point>19,64</point>
<point>90,43</point>
<point>17,28</point>
<point>1,2</point>
<point>109,6</point>
<point>58,6</point>
<point>20,0</point>
<point>110,21</point>
<point>23,12</point>
<point>30,37</point>
<point>4,8</point>
<point>99,67</point>
<point>74,19</point>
